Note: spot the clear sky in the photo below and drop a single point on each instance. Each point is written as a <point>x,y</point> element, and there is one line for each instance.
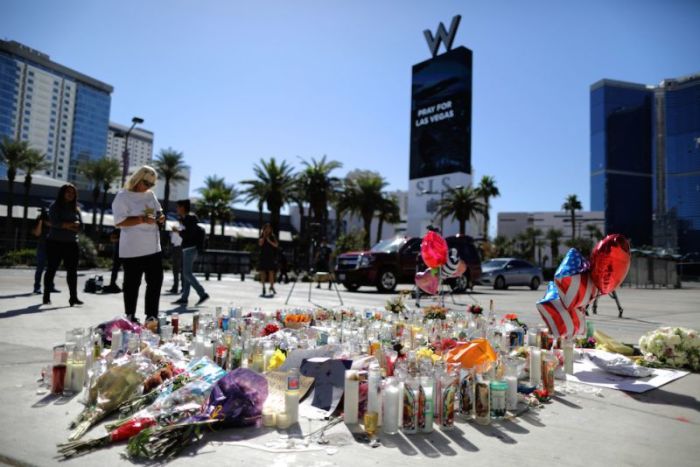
<point>230,82</point>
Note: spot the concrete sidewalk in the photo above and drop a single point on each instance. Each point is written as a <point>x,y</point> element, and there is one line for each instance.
<point>583,428</point>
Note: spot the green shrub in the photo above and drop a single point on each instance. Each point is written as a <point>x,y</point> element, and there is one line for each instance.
<point>23,257</point>
<point>87,252</point>
<point>351,241</point>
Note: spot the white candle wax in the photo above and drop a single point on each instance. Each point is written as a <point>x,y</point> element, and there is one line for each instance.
<point>568,357</point>
<point>351,397</point>
<point>269,418</point>
<point>291,406</point>
<point>116,340</point>
<point>535,366</point>
<point>391,403</point>
<point>512,393</point>
<point>282,421</point>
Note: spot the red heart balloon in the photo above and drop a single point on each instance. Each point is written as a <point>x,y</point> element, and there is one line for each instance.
<point>427,282</point>
<point>433,248</point>
<point>610,262</point>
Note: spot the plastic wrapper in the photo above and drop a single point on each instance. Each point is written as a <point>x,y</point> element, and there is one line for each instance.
<point>618,364</point>
<point>107,327</point>
<point>471,354</point>
<point>608,344</point>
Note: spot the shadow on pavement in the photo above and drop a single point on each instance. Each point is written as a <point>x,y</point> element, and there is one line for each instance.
<point>457,436</point>
<point>28,311</point>
<point>662,396</point>
<point>399,442</point>
<point>565,402</point>
<point>18,295</point>
<point>495,432</point>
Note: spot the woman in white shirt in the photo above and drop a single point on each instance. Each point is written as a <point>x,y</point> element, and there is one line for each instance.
<point>137,213</point>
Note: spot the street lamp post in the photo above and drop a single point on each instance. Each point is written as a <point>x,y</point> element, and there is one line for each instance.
<point>125,154</point>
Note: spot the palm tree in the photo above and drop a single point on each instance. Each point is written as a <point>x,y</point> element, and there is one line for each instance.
<point>388,211</point>
<point>255,193</point>
<point>320,187</point>
<point>462,204</point>
<point>12,154</point>
<point>171,166</point>
<point>502,246</point>
<point>554,236</point>
<point>278,181</point>
<point>531,235</point>
<point>572,204</point>
<point>110,174</point>
<point>224,211</point>
<point>487,189</point>
<point>342,201</point>
<point>364,195</point>
<point>92,171</point>
<point>34,161</point>
<point>209,204</point>
<point>299,195</point>
<point>594,232</point>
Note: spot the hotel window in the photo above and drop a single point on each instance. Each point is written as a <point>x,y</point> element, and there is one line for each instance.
<point>31,73</point>
<point>27,112</point>
<point>54,98</point>
<point>30,81</point>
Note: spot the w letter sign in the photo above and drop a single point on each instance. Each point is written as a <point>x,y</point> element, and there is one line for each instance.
<point>442,36</point>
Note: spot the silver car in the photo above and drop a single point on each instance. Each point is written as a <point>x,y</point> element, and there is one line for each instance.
<point>504,272</point>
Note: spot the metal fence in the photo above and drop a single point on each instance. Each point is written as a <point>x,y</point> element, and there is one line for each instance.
<point>646,271</point>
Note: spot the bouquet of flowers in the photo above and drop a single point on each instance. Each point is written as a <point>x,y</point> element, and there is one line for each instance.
<point>269,329</point>
<point>397,304</point>
<point>435,312</point>
<point>236,400</point>
<point>475,310</point>
<point>671,347</point>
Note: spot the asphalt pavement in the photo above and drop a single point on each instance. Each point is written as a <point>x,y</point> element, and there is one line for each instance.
<point>580,427</point>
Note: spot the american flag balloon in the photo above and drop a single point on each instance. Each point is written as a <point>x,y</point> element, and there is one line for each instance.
<point>573,279</point>
<point>561,321</point>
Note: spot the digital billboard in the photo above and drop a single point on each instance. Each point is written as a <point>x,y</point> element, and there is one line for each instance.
<point>441,108</point>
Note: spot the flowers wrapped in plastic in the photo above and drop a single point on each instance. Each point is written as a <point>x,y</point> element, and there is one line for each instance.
<point>671,347</point>
<point>236,400</point>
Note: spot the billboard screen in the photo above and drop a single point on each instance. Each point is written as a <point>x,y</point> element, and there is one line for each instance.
<point>441,108</point>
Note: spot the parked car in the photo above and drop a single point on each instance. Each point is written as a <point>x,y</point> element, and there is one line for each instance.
<point>501,273</point>
<point>393,261</point>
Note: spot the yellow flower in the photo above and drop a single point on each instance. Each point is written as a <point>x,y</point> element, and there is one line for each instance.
<point>424,352</point>
<point>276,360</point>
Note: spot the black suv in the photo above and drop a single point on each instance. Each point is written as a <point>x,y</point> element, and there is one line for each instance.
<point>393,261</point>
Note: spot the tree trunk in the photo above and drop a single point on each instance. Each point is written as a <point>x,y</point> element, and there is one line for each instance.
<point>486,219</point>
<point>103,206</point>
<point>573,224</point>
<point>367,220</point>
<point>260,217</point>
<point>166,196</point>
<point>380,225</point>
<point>27,187</point>
<point>462,226</point>
<point>223,223</point>
<point>95,198</point>
<point>212,223</point>
<point>11,173</point>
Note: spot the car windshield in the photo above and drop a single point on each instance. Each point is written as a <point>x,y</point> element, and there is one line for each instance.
<point>388,246</point>
<point>494,264</point>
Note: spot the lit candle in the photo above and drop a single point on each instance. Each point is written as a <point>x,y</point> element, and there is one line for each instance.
<point>116,340</point>
<point>291,396</point>
<point>391,401</point>
<point>351,397</point>
<point>269,418</point>
<point>374,391</point>
<point>282,421</point>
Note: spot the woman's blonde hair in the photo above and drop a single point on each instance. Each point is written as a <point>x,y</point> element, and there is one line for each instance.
<point>146,173</point>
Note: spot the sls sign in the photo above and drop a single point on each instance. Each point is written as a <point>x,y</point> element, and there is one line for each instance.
<point>442,35</point>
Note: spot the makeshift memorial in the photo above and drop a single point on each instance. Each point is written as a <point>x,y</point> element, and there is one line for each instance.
<point>561,321</point>
<point>454,266</point>
<point>433,249</point>
<point>573,280</point>
<point>428,281</point>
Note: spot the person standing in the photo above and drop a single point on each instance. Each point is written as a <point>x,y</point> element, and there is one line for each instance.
<point>192,239</point>
<point>62,242</point>
<point>41,231</point>
<point>322,263</point>
<point>268,258</point>
<point>176,255</point>
<point>137,213</point>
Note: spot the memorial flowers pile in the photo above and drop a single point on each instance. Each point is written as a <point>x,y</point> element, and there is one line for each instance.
<point>671,347</point>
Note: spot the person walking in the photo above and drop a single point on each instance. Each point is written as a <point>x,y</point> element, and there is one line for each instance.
<point>267,264</point>
<point>137,212</point>
<point>322,264</point>
<point>116,264</point>
<point>41,231</point>
<point>62,242</point>
<point>192,239</point>
<point>176,255</point>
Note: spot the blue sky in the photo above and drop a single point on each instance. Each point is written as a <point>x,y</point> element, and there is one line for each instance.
<point>230,82</point>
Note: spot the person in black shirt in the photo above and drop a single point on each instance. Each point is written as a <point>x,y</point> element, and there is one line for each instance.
<point>190,242</point>
<point>41,231</point>
<point>116,263</point>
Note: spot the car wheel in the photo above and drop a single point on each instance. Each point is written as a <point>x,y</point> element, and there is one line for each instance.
<point>351,286</point>
<point>460,284</point>
<point>386,281</point>
<point>499,283</point>
<point>535,283</point>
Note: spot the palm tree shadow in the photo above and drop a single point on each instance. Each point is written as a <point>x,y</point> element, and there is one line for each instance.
<point>18,295</point>
<point>28,311</point>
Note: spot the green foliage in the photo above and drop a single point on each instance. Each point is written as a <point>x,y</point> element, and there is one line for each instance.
<point>351,241</point>
<point>87,252</point>
<point>461,204</point>
<point>584,245</point>
<point>23,257</point>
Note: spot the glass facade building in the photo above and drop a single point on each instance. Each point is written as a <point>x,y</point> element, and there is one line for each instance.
<point>645,161</point>
<point>57,110</point>
<point>621,169</point>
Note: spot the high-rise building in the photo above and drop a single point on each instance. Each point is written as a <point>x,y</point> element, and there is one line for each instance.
<point>645,160</point>
<point>140,146</point>
<point>59,111</point>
